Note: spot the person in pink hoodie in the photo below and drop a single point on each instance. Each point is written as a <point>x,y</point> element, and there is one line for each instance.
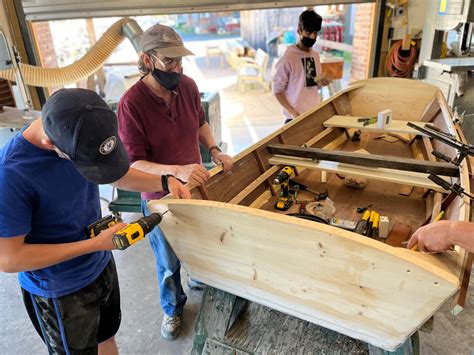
<point>299,74</point>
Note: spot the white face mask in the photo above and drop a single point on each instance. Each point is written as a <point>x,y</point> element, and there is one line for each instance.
<point>61,154</point>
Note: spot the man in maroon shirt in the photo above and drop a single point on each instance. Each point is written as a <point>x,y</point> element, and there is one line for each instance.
<point>161,123</point>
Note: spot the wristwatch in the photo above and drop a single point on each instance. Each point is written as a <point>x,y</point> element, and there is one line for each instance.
<point>164,182</point>
<point>214,147</point>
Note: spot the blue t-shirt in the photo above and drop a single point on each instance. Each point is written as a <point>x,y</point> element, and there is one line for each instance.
<point>45,198</point>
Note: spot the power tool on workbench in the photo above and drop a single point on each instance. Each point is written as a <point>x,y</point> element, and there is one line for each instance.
<point>284,202</point>
<point>136,231</point>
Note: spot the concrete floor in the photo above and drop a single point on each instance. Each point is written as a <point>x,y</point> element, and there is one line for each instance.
<point>246,118</point>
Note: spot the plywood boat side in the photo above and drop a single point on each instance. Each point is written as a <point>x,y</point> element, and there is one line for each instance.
<point>355,285</point>
<point>319,273</point>
<point>408,99</point>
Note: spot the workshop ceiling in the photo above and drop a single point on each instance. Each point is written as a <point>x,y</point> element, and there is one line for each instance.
<point>40,10</point>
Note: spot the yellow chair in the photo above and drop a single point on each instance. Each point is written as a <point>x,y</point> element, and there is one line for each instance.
<point>253,70</point>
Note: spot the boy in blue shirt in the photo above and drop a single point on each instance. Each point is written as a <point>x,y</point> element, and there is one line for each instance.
<point>48,177</point>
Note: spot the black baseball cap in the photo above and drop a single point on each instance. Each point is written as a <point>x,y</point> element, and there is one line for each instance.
<point>79,123</point>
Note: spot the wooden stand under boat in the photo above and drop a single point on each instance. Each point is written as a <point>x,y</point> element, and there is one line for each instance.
<point>365,288</point>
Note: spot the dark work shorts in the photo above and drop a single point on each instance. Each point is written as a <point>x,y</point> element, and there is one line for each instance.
<point>78,322</point>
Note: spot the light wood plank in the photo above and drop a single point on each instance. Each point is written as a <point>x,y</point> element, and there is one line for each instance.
<point>438,197</point>
<point>406,98</point>
<point>351,122</point>
<point>261,200</point>
<point>318,137</point>
<point>431,111</point>
<point>416,150</point>
<point>336,142</point>
<point>381,174</point>
<point>428,148</point>
<point>204,192</point>
<point>248,190</point>
<point>467,258</point>
<point>418,154</point>
<point>339,140</point>
<point>406,190</point>
<point>262,170</point>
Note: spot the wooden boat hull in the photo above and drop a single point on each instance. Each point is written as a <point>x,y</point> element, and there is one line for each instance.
<point>352,284</point>
<point>342,281</point>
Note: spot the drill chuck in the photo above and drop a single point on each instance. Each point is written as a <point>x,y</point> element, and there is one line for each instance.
<point>149,222</point>
<point>283,175</point>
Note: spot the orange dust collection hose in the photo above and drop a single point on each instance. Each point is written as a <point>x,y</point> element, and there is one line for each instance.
<point>84,67</point>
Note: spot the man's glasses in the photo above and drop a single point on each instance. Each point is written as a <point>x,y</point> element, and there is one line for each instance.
<point>169,63</point>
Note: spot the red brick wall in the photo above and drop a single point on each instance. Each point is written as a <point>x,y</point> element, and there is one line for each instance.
<point>360,44</point>
<point>45,46</point>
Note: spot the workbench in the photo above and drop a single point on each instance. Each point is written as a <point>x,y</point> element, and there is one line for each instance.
<point>228,324</point>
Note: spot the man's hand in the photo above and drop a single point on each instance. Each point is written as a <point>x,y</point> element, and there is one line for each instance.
<point>294,113</point>
<point>433,237</point>
<point>194,173</point>
<point>104,238</point>
<point>177,189</point>
<point>221,158</point>
<point>322,80</point>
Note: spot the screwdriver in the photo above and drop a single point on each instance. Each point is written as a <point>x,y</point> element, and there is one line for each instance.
<point>362,223</point>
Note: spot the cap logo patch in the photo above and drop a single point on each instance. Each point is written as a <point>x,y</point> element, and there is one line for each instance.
<point>108,145</point>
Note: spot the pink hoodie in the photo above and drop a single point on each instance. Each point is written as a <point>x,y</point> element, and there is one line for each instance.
<point>295,73</point>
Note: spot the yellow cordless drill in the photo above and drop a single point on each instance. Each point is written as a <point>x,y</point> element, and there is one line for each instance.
<point>284,202</point>
<point>136,231</point>
<point>128,235</point>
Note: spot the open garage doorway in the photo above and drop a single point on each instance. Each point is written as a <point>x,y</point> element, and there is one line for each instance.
<point>219,39</point>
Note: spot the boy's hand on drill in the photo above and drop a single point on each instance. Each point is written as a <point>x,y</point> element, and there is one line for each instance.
<point>177,189</point>
<point>104,238</point>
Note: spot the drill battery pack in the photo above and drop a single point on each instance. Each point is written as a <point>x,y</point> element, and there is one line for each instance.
<point>95,228</point>
<point>284,203</point>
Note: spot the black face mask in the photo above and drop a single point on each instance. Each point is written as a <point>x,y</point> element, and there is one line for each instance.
<point>308,42</point>
<point>169,80</point>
